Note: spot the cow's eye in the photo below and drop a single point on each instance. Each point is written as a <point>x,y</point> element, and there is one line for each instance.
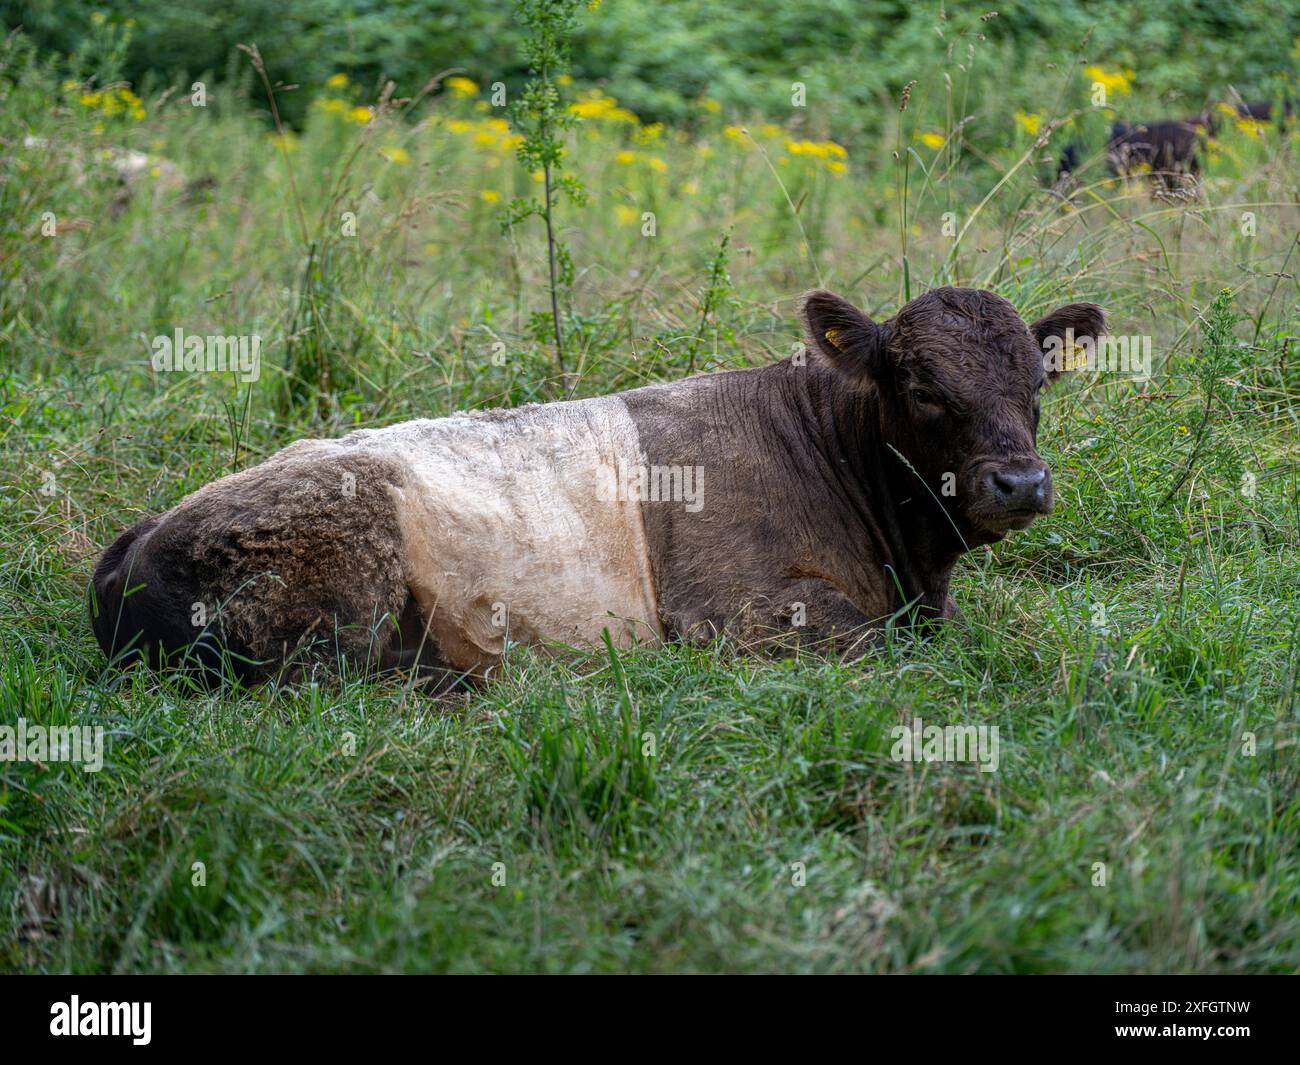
<point>925,398</point>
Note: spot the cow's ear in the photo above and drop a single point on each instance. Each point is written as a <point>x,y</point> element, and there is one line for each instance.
<point>1075,323</point>
<point>843,336</point>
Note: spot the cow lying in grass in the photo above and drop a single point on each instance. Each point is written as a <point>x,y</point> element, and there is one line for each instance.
<point>825,496</point>
<point>133,172</point>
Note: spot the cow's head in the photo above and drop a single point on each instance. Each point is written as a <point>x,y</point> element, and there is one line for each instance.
<point>958,375</point>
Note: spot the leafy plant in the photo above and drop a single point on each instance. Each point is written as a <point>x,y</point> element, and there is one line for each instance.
<point>541,119</point>
<point>1218,358</point>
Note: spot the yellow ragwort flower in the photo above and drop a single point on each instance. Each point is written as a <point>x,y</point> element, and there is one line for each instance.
<point>462,86</point>
<point>113,102</point>
<point>650,134</point>
<point>1030,123</point>
<point>594,104</point>
<point>1114,80</point>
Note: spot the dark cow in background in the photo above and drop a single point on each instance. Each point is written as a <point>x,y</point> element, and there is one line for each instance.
<point>1264,110</point>
<point>832,493</point>
<point>1169,150</point>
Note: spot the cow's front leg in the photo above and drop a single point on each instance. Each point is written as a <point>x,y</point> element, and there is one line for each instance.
<point>817,614</point>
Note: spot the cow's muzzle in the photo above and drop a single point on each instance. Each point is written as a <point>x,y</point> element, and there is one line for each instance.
<point>1016,493</point>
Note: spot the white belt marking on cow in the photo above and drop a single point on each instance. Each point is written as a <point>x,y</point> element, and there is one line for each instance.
<point>502,519</point>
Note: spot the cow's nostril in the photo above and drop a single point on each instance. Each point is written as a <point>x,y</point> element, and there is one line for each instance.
<point>1020,489</point>
<point>1003,486</point>
<point>1040,483</point>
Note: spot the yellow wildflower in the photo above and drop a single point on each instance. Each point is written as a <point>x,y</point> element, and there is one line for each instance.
<point>594,104</point>
<point>1030,123</point>
<point>1114,80</point>
<point>462,86</point>
<point>112,102</point>
<point>816,149</point>
<point>650,134</point>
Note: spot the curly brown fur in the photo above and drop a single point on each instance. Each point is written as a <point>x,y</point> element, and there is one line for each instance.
<point>260,565</point>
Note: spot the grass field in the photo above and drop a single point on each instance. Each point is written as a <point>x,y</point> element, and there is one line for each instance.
<point>1137,649</point>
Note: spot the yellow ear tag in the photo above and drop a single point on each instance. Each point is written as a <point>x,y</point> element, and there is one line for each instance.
<point>830,335</point>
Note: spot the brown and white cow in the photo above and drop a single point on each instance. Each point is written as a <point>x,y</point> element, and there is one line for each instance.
<point>819,497</point>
